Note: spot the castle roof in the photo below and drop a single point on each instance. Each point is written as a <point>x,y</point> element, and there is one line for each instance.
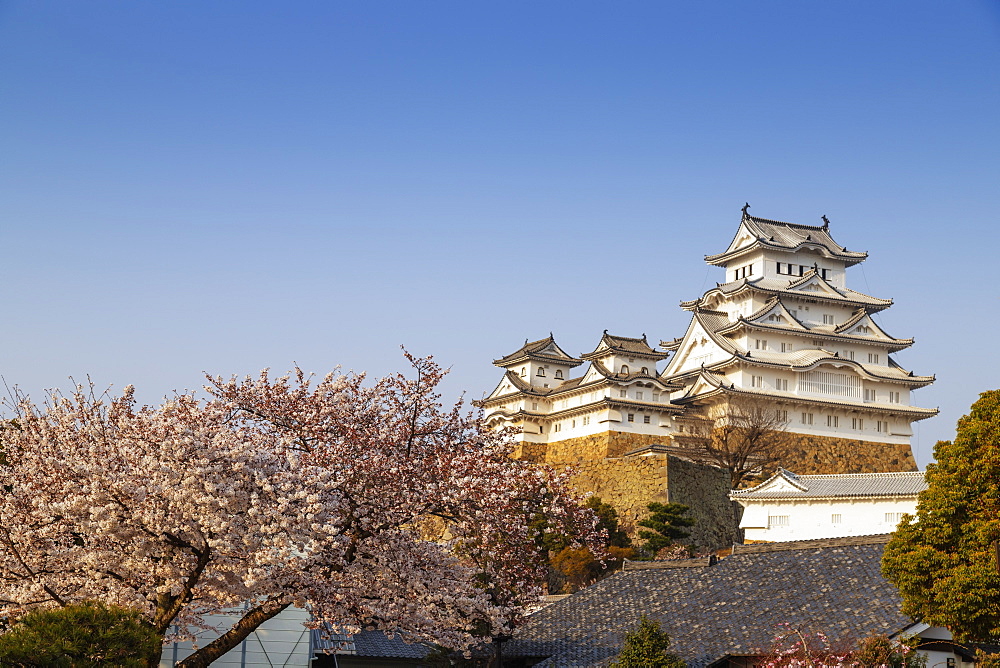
<point>624,345</point>
<point>716,322</point>
<point>795,287</point>
<point>761,233</point>
<point>787,485</point>
<point>792,325</point>
<point>715,384</point>
<point>542,350</point>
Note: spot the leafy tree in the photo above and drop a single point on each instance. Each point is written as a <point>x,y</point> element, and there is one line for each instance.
<point>945,562</point>
<point>574,567</point>
<point>646,647</point>
<point>607,519</point>
<point>278,492</point>
<point>665,521</point>
<point>81,635</point>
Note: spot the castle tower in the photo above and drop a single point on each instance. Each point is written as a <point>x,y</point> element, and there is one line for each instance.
<point>618,404</point>
<point>786,330</point>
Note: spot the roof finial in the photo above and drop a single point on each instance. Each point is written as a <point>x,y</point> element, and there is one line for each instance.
<point>550,334</point>
<point>826,222</point>
<point>605,332</point>
<point>745,207</point>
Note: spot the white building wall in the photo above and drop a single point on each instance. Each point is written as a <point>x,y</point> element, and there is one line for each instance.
<point>280,641</point>
<point>801,519</point>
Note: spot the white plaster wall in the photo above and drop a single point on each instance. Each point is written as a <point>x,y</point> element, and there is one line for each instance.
<point>808,519</point>
<point>281,641</point>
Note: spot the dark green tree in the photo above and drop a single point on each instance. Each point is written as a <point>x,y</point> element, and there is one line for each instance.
<point>646,647</point>
<point>665,520</point>
<point>82,635</point>
<point>607,519</point>
<point>945,563</point>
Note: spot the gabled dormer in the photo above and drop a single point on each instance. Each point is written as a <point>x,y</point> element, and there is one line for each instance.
<point>539,363</point>
<point>862,325</point>
<point>776,314</point>
<point>625,355</point>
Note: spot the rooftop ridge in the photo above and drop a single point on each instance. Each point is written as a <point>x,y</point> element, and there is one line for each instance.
<point>847,541</point>
<point>868,474</point>
<point>700,562</point>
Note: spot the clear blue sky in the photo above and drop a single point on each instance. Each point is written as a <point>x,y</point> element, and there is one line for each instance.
<point>226,186</point>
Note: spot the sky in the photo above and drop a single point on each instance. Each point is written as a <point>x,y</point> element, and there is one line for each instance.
<point>220,187</point>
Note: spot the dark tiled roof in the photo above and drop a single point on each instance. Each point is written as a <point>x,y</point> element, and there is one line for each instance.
<point>368,644</point>
<point>610,343</point>
<point>734,606</point>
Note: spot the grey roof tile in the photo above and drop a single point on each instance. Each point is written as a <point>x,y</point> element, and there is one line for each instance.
<point>908,483</point>
<point>732,607</point>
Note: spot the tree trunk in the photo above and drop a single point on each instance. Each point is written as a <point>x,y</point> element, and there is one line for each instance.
<point>234,636</point>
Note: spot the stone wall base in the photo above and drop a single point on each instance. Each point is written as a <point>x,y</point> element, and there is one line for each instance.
<point>809,454</point>
<point>629,484</point>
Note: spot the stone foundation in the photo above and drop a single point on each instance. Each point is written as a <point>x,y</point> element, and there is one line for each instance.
<point>630,483</point>
<point>809,454</point>
<point>598,446</point>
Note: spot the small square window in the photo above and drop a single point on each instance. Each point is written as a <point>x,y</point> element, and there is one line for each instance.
<point>631,417</point>
<point>836,518</point>
<point>645,419</point>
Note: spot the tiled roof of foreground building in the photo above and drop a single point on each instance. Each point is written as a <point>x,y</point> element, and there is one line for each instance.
<point>787,485</point>
<point>734,606</point>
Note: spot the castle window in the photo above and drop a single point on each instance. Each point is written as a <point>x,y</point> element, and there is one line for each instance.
<point>574,424</point>
<point>849,354</point>
<point>534,405</point>
<point>893,518</point>
<point>822,272</point>
<point>656,396</point>
<point>541,429</point>
<point>623,393</point>
<point>524,372</point>
<point>559,374</point>
<point>781,384</point>
<point>857,423</point>
<point>807,418</point>
<point>644,370</point>
<point>645,419</point>
<point>781,415</point>
<point>558,426</point>
<point>894,397</point>
<point>586,420</point>
<point>777,521</point>
<point>882,427</point>
<point>631,417</point>
<point>638,396</point>
<point>541,372</point>
<point>869,395</point>
<point>624,368</point>
<point>761,344</point>
<point>836,518</point>
<point>832,421</point>
<point>863,329</point>
<point>757,381</point>
<point>828,319</point>
<point>873,358</point>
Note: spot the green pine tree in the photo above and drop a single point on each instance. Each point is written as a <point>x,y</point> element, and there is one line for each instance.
<point>82,635</point>
<point>646,647</point>
<point>665,520</point>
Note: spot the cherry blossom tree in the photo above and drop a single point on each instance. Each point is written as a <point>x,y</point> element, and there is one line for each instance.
<point>277,492</point>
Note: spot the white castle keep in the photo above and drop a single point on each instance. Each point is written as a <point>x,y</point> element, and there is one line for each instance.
<point>783,328</point>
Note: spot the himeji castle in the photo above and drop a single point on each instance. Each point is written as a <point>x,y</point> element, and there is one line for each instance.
<point>783,328</point>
